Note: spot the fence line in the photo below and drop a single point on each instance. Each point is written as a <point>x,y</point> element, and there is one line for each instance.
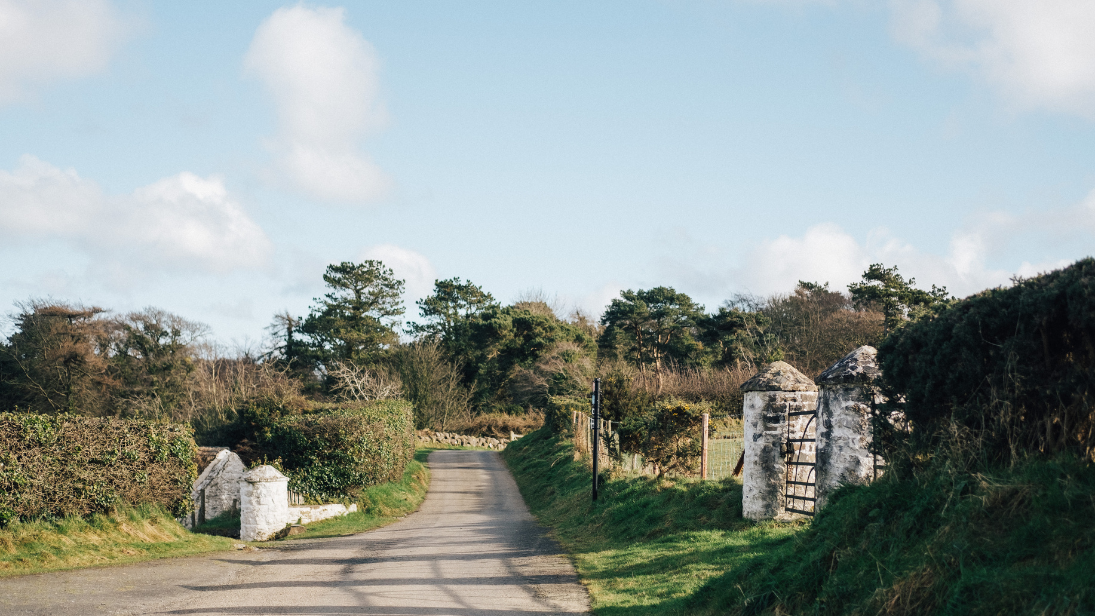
<point>725,444</point>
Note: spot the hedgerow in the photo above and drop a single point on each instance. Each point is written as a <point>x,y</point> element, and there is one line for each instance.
<point>332,452</point>
<point>1015,366</point>
<point>53,466</point>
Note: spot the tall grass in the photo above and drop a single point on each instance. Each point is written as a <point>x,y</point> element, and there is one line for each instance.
<point>719,387</point>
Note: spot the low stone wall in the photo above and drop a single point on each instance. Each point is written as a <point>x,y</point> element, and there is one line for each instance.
<point>306,514</point>
<point>427,437</point>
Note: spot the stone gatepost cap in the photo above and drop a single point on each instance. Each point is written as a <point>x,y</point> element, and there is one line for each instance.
<point>264,473</point>
<point>779,376</point>
<point>858,367</point>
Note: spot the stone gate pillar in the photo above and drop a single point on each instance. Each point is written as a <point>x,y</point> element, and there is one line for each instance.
<point>844,422</point>
<point>264,503</point>
<point>774,391</point>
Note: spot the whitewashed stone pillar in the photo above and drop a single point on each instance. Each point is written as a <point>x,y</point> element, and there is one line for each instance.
<point>264,503</point>
<point>769,395</point>
<point>844,422</point>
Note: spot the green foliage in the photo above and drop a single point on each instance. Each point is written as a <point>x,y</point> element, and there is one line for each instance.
<point>734,336</point>
<point>1016,366</point>
<point>653,326</point>
<point>559,413</point>
<point>668,436</point>
<point>69,465</point>
<point>447,313</point>
<point>620,400</point>
<point>378,505</point>
<point>357,319</point>
<point>504,339</point>
<point>332,452</point>
<point>884,289</point>
<point>1011,541</point>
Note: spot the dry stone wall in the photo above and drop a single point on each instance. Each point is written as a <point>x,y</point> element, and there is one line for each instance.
<point>426,437</point>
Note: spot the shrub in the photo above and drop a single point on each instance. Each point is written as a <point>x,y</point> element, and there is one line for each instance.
<point>667,437</point>
<point>332,452</point>
<point>558,416</point>
<point>67,465</point>
<point>499,425</point>
<point>1015,366</point>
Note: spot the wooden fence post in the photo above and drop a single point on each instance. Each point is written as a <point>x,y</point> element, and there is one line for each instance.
<point>703,454</point>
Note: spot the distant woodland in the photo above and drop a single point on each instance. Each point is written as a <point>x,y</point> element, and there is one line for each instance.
<point>464,360</point>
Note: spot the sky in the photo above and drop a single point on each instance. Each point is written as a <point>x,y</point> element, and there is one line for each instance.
<point>211,158</point>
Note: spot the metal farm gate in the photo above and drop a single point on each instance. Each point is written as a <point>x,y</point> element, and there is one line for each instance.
<point>800,451</point>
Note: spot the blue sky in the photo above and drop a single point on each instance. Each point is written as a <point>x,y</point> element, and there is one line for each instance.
<point>211,158</point>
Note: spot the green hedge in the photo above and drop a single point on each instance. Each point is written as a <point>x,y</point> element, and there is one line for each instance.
<point>331,452</point>
<point>559,413</point>
<point>1015,366</point>
<point>68,465</point>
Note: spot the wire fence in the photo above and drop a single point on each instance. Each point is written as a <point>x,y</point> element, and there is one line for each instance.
<point>725,445</point>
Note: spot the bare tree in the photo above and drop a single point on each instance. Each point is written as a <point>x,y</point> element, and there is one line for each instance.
<point>352,382</point>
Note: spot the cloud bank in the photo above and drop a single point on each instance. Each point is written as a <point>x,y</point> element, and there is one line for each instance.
<point>181,223</point>
<point>1040,53</point>
<point>47,40</point>
<point>323,77</point>
<point>826,253</point>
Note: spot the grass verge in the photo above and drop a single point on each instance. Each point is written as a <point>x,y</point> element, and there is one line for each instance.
<point>648,544</point>
<point>146,533</point>
<point>937,539</point>
<point>1017,540</point>
<point>378,505</point>
<point>124,536</point>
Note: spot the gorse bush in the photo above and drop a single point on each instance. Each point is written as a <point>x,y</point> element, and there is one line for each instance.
<point>1014,366</point>
<point>332,452</point>
<point>66,465</point>
<point>667,437</point>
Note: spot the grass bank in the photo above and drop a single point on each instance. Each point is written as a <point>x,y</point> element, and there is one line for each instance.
<point>124,536</point>
<point>1018,540</point>
<point>936,539</point>
<point>647,545</point>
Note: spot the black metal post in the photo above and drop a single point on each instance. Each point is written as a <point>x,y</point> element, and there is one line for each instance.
<point>596,433</point>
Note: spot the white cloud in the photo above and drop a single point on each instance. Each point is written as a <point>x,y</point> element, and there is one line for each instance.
<point>180,223</point>
<point>323,77</point>
<point>54,39</point>
<point>1040,52</point>
<point>826,253</point>
<point>412,267</point>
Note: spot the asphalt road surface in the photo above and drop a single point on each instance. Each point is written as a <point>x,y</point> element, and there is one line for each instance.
<point>472,549</point>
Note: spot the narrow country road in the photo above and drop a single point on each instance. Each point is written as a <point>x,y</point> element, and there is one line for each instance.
<point>473,548</point>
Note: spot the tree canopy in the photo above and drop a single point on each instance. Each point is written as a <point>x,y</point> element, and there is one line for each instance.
<point>357,319</point>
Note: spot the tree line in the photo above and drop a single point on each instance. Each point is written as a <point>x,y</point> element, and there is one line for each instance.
<point>466,356</point>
